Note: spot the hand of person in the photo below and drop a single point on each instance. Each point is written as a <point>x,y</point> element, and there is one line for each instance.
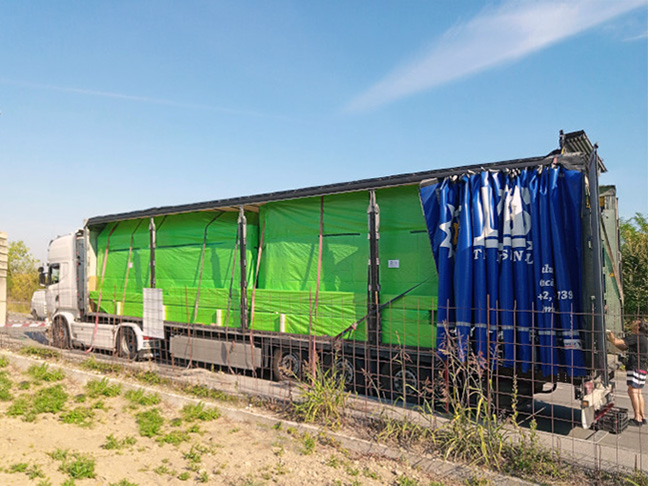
<point>610,336</point>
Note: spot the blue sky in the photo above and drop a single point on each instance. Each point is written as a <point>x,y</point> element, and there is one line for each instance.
<point>115,106</point>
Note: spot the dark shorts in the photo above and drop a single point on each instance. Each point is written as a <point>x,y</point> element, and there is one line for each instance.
<point>636,378</point>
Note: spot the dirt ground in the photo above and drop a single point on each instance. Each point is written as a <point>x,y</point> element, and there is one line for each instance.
<point>185,450</point>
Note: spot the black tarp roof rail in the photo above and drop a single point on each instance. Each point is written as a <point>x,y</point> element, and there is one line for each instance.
<point>570,159</point>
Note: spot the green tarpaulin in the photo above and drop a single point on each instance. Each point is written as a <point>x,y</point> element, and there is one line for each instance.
<point>199,250</point>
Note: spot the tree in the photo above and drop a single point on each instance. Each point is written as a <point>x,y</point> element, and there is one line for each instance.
<point>634,251</point>
<point>22,272</point>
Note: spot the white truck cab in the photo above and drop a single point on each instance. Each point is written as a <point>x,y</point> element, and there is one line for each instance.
<point>66,280</point>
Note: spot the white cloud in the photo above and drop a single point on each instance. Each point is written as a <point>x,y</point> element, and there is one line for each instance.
<point>643,35</point>
<point>141,99</point>
<point>512,31</point>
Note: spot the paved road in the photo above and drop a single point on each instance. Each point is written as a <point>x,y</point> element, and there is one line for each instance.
<point>557,414</point>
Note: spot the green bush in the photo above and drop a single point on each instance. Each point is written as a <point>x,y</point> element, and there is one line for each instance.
<point>323,398</point>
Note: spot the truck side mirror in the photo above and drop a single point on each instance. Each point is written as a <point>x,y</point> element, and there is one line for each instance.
<point>42,277</point>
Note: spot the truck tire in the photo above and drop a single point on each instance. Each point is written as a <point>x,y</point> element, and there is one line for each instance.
<point>60,334</point>
<point>127,343</point>
<point>286,364</point>
<point>400,382</point>
<point>347,371</point>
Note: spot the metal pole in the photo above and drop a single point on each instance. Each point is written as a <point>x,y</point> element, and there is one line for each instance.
<point>242,231</point>
<point>152,245</point>
<point>597,267</point>
<point>373,294</point>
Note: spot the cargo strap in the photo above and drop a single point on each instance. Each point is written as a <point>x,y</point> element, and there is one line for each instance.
<point>103,274</point>
<point>354,326</point>
<point>202,262</point>
<point>130,253</point>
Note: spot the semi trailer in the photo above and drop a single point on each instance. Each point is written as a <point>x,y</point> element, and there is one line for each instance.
<point>380,278</point>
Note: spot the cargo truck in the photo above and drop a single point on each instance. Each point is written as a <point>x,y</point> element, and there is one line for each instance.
<point>375,276</point>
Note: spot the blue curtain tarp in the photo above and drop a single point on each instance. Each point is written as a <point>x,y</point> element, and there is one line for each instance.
<point>507,246</point>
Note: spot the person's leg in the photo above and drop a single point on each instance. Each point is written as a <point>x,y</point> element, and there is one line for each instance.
<point>641,404</point>
<point>634,400</point>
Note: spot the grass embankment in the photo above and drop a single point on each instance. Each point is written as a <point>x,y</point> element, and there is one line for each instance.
<point>59,432</point>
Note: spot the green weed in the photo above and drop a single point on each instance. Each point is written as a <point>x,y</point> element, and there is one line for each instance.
<point>5,386</point>
<point>124,482</point>
<point>113,443</point>
<point>151,378</point>
<point>59,454</point>
<point>323,398</point>
<point>406,481</point>
<point>34,472</point>
<point>140,397</point>
<point>203,391</point>
<point>97,388</point>
<point>78,465</point>
<point>174,438</point>
<point>44,373</point>
<point>47,400</point>
<point>80,416</point>
<point>333,462</point>
<point>308,444</point>
<point>39,352</point>
<point>150,422</point>
<point>4,362</point>
<point>184,476</point>
<point>162,470</point>
<point>194,455</point>
<point>18,467</point>
<point>528,458</point>
<point>93,364</point>
<point>198,411</point>
<point>368,473</point>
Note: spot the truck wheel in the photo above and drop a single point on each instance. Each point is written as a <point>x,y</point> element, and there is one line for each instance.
<point>286,365</point>
<point>345,370</point>
<point>60,334</point>
<point>400,382</point>
<point>34,315</point>
<point>127,343</point>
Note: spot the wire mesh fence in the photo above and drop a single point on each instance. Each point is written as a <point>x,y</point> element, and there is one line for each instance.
<point>580,412</point>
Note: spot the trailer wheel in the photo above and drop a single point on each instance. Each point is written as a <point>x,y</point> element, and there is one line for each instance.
<point>400,382</point>
<point>60,334</point>
<point>405,382</point>
<point>345,370</point>
<point>286,365</point>
<point>127,343</point>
